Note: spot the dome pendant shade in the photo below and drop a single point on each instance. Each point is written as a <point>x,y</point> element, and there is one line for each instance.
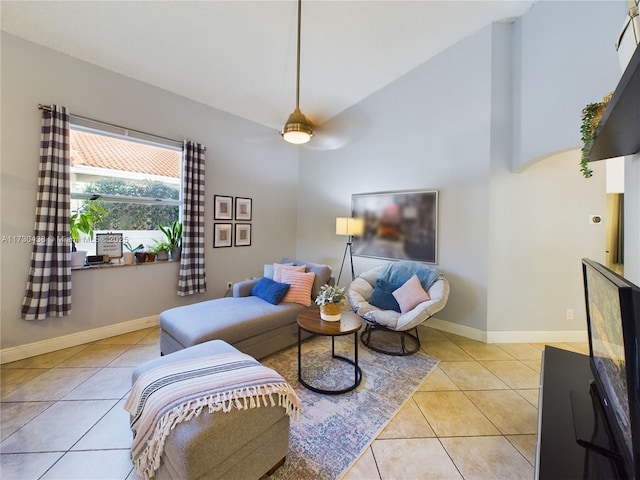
<point>297,130</point>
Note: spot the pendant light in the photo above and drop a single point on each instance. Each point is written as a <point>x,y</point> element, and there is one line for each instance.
<point>297,130</point>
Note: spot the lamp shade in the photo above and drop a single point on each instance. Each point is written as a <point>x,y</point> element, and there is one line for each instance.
<point>297,130</point>
<point>349,226</point>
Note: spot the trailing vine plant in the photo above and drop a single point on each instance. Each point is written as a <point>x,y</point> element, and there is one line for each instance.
<point>591,115</point>
<point>588,114</point>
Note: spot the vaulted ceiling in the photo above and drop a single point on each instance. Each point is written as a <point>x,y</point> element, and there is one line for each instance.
<point>239,56</point>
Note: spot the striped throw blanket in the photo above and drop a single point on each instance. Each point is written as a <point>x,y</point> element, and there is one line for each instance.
<point>166,396</point>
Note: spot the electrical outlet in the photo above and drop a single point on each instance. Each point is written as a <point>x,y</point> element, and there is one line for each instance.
<point>569,314</point>
<point>229,285</point>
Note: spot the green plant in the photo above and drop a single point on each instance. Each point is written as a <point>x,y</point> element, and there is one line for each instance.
<point>173,233</point>
<point>330,294</point>
<point>159,247</point>
<point>588,114</point>
<point>128,246</point>
<point>591,115</point>
<point>84,219</point>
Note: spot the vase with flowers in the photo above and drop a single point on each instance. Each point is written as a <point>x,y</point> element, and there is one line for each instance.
<point>330,299</point>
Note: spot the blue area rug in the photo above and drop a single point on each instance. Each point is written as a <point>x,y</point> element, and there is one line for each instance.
<point>333,430</point>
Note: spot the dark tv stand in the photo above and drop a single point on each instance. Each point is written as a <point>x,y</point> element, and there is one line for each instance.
<point>572,439</point>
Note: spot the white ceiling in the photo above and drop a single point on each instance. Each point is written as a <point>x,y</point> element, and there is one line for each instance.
<point>239,56</point>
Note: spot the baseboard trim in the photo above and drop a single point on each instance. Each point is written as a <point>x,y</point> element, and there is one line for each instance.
<point>457,329</point>
<point>538,337</point>
<point>21,352</point>
<point>546,336</point>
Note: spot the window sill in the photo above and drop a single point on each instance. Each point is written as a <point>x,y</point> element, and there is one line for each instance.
<point>119,265</point>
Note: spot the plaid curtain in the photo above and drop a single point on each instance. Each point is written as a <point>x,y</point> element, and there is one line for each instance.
<point>48,291</point>
<point>192,278</point>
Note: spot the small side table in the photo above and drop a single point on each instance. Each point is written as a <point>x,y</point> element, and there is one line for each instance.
<point>350,323</point>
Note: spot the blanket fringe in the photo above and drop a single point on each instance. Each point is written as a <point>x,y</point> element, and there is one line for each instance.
<point>148,461</point>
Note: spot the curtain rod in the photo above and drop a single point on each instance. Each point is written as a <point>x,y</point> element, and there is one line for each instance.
<point>179,142</point>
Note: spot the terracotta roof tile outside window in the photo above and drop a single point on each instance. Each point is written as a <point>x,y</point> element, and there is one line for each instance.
<point>101,151</point>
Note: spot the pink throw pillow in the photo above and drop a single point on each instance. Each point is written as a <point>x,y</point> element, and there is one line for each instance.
<point>300,290</point>
<point>410,295</point>
<point>278,268</point>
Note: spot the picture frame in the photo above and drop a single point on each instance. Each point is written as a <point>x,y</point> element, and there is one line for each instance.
<point>222,235</point>
<point>397,225</point>
<point>222,207</point>
<point>243,208</point>
<point>243,235</point>
<point>109,244</point>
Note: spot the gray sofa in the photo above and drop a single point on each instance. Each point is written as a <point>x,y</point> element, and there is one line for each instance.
<point>252,325</point>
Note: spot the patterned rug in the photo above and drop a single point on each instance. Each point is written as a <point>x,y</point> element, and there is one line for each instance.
<point>333,430</point>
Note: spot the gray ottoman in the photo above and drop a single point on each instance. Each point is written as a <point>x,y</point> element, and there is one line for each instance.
<point>241,444</point>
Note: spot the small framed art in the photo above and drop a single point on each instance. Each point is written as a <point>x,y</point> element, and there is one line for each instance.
<point>222,207</point>
<point>221,235</point>
<point>243,209</point>
<point>243,234</point>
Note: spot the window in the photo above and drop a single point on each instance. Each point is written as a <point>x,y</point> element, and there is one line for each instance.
<point>137,178</point>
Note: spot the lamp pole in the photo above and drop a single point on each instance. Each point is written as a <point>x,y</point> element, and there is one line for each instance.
<point>347,247</point>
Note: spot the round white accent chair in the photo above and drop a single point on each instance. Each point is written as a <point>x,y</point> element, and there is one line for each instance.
<point>389,331</point>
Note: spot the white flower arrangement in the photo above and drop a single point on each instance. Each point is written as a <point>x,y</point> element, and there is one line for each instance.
<point>330,294</point>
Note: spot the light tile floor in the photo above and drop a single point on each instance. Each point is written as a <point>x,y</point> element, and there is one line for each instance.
<point>474,417</point>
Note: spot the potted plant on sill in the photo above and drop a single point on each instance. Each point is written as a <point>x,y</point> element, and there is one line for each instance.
<point>330,299</point>
<point>173,233</point>
<point>130,254</point>
<point>83,220</point>
<point>161,250</point>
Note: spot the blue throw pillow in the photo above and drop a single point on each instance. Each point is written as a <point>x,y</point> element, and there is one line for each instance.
<point>382,296</point>
<point>270,290</point>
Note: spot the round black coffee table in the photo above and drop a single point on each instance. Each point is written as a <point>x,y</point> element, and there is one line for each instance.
<point>350,323</point>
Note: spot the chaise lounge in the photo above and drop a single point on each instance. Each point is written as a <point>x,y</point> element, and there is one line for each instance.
<point>246,321</point>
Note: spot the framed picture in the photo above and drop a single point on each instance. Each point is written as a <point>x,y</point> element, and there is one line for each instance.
<point>397,225</point>
<point>243,209</point>
<point>222,207</point>
<point>109,244</point>
<point>221,235</point>
<point>243,234</point>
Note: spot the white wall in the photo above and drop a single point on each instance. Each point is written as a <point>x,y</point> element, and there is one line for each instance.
<point>539,228</point>
<point>566,58</point>
<point>241,161</point>
<point>615,175</point>
<point>540,233</point>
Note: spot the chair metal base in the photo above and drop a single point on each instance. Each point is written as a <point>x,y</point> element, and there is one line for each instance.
<point>390,342</point>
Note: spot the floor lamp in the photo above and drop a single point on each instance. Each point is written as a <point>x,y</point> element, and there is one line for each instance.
<point>351,227</point>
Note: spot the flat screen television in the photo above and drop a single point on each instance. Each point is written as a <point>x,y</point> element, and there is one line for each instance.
<point>613,321</point>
